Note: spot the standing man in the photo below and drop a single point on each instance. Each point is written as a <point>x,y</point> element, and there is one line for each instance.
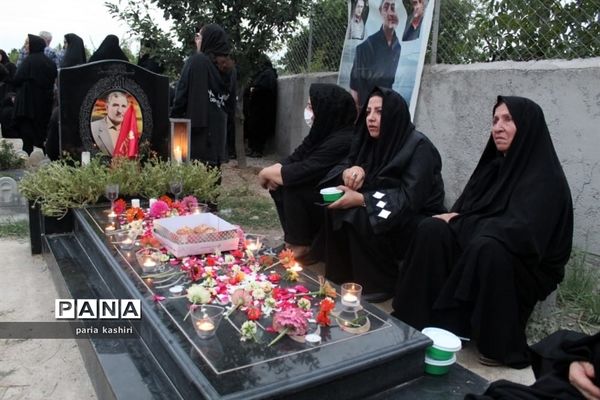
<point>413,22</point>
<point>105,131</point>
<point>377,57</point>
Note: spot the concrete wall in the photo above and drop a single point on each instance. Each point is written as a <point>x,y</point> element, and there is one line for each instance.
<point>455,111</point>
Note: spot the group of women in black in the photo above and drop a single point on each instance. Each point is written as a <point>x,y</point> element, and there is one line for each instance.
<point>477,270</point>
<point>27,106</point>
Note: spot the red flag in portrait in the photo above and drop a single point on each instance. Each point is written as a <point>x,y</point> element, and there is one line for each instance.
<point>127,142</point>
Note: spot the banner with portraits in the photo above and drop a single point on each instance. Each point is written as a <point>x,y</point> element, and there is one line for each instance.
<point>385,45</point>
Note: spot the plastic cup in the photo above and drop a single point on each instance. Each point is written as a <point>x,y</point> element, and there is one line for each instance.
<point>438,367</point>
<point>445,344</point>
<point>331,194</point>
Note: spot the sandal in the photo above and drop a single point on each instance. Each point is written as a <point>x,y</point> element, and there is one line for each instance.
<point>489,362</point>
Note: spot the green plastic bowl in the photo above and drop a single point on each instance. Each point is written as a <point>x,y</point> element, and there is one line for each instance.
<point>437,354</point>
<point>331,194</point>
<point>437,367</point>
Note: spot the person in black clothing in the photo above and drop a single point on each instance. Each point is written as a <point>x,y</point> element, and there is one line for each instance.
<point>292,182</point>
<point>202,93</point>
<point>566,365</point>
<point>260,108</point>
<point>109,50</point>
<point>479,270</point>
<point>414,20</point>
<point>10,66</point>
<point>34,83</point>
<point>74,51</point>
<point>376,59</point>
<point>391,180</point>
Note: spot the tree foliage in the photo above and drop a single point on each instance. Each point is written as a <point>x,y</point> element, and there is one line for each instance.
<point>328,20</point>
<point>254,27</point>
<point>518,30</point>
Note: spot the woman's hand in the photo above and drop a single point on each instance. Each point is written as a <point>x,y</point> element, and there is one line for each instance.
<point>446,217</point>
<point>581,374</point>
<point>349,199</point>
<point>354,177</point>
<point>270,177</point>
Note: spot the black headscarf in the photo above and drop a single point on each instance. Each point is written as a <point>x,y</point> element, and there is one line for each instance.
<point>214,40</point>
<point>10,67</point>
<point>521,198</point>
<point>109,50</point>
<point>333,108</point>
<point>375,154</point>
<point>75,53</point>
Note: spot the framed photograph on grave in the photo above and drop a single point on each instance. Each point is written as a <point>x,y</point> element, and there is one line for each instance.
<point>107,117</point>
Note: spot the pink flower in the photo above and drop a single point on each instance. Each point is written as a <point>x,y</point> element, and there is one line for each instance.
<point>293,320</point>
<point>159,209</point>
<point>189,202</point>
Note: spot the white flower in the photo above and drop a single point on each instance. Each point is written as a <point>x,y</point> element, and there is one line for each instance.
<point>267,286</point>
<point>197,294</point>
<point>229,259</point>
<point>258,294</point>
<point>304,304</point>
<point>249,330</point>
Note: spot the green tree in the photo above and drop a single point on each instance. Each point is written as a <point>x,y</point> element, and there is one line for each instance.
<point>518,30</point>
<point>328,20</point>
<point>254,26</point>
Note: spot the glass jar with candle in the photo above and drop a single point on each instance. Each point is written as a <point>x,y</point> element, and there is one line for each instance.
<point>254,243</point>
<point>149,259</point>
<point>351,293</point>
<point>206,319</point>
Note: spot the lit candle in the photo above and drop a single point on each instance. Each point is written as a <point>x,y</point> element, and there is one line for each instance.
<point>349,299</point>
<point>135,203</point>
<point>177,155</point>
<point>112,214</point>
<point>110,228</point>
<point>148,262</point>
<point>296,268</point>
<point>176,290</point>
<point>205,325</point>
<point>85,157</point>
<point>195,210</point>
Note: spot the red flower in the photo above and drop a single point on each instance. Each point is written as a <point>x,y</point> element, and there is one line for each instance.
<point>211,261</point>
<point>149,241</point>
<point>166,199</point>
<point>274,278</point>
<point>325,308</point>
<point>323,319</point>
<point>134,214</point>
<point>237,253</point>
<point>253,313</point>
<point>119,206</point>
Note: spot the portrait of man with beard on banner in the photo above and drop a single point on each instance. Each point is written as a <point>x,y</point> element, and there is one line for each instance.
<point>382,58</point>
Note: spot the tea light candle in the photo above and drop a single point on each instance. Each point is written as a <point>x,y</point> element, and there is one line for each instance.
<point>85,157</point>
<point>126,243</point>
<point>176,290</point>
<point>110,228</point>
<point>349,299</point>
<point>135,203</point>
<point>112,214</point>
<point>205,325</point>
<point>195,210</point>
<point>149,262</point>
<point>177,155</point>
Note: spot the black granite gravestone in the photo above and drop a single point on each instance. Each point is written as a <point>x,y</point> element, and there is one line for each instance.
<point>84,94</point>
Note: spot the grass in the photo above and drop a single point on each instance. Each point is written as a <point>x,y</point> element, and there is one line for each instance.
<point>578,301</point>
<point>242,207</point>
<point>14,229</point>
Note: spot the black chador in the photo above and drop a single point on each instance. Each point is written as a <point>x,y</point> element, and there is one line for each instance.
<point>481,274</point>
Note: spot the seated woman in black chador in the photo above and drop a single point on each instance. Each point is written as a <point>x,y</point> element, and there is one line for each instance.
<point>391,180</point>
<point>479,270</point>
<point>331,113</point>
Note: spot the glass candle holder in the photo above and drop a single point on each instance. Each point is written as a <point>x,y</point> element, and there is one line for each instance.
<point>206,320</point>
<point>148,259</point>
<point>199,209</point>
<point>351,293</point>
<point>125,240</point>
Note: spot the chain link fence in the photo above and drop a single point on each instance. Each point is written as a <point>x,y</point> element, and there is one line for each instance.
<point>463,31</point>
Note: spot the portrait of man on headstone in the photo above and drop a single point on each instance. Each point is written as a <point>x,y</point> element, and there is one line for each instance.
<point>107,119</point>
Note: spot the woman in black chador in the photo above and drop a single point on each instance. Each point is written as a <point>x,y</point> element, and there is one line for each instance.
<point>479,270</point>
<point>34,82</point>
<point>109,50</point>
<point>260,108</point>
<point>75,51</point>
<point>201,95</point>
<point>391,179</point>
<point>331,114</point>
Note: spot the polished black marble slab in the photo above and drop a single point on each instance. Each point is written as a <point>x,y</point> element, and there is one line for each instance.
<point>354,366</point>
